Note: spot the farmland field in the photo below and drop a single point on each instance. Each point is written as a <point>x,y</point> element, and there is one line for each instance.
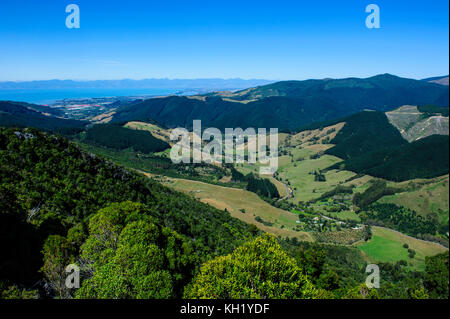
<point>387,246</point>
<point>427,199</point>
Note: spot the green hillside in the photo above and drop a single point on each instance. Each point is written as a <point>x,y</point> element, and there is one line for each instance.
<point>425,158</point>
<point>363,133</point>
<point>370,145</point>
<point>16,114</point>
<point>120,138</point>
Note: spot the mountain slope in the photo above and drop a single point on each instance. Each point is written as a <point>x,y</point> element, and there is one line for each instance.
<point>363,133</point>
<point>425,158</point>
<point>16,114</point>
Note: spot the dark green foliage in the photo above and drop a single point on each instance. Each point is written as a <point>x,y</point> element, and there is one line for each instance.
<point>364,133</point>
<point>262,221</point>
<point>236,176</point>
<point>321,260</point>
<point>430,110</point>
<point>261,186</point>
<point>258,269</point>
<point>159,165</point>
<point>400,218</point>
<point>341,269</point>
<point>131,256</point>
<point>319,177</point>
<point>120,138</point>
<point>425,158</point>
<point>376,190</point>
<point>370,145</point>
<point>338,190</point>
<point>437,276</point>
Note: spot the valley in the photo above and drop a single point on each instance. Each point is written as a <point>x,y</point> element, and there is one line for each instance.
<point>367,185</point>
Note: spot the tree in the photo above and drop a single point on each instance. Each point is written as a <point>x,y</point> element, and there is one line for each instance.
<point>131,256</point>
<point>258,269</point>
<point>58,254</point>
<point>437,276</point>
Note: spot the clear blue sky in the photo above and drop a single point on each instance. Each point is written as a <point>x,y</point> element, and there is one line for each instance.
<point>275,39</point>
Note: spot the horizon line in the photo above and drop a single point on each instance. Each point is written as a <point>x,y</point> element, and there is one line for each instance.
<point>219,78</point>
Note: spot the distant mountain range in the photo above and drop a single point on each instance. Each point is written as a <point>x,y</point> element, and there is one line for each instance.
<point>287,105</point>
<point>205,84</point>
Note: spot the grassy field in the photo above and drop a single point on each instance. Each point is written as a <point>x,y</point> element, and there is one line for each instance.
<point>234,200</point>
<point>302,180</point>
<point>387,246</point>
<point>431,197</point>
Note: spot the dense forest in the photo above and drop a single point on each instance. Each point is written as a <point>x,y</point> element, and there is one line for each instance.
<point>120,138</point>
<point>370,145</point>
<point>261,186</point>
<point>424,158</point>
<point>363,133</point>
<point>431,109</point>
<point>400,218</point>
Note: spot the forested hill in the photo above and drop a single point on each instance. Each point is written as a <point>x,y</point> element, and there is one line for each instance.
<point>369,144</point>
<point>16,114</point>
<point>120,138</point>
<point>288,105</point>
<point>48,186</point>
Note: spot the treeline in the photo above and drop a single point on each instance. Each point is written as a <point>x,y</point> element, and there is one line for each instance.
<point>376,190</point>
<point>431,109</point>
<point>261,186</point>
<point>120,138</point>
<point>338,190</point>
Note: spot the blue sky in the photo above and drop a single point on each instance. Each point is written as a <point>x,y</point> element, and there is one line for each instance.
<point>275,40</point>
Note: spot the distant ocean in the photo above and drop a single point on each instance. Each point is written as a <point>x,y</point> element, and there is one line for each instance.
<point>47,96</point>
